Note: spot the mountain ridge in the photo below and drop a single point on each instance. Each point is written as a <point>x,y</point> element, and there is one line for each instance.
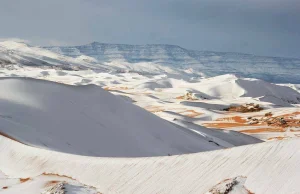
<point>271,69</point>
<point>173,45</point>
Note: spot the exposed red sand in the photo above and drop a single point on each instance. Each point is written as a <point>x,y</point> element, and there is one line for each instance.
<point>24,180</point>
<point>291,114</point>
<point>249,192</point>
<point>116,88</point>
<point>229,122</point>
<point>262,130</point>
<point>272,124</point>
<point>180,97</point>
<point>244,108</point>
<point>236,119</point>
<point>224,125</point>
<point>295,130</point>
<point>191,113</point>
<point>277,138</point>
<point>188,96</point>
<point>52,174</point>
<point>284,121</point>
<point>154,109</point>
<point>50,183</point>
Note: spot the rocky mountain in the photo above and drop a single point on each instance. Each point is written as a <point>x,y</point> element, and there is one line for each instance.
<point>271,69</point>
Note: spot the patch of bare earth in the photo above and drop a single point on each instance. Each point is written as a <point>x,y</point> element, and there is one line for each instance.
<point>154,109</point>
<point>52,174</point>
<point>116,88</point>
<point>277,138</point>
<point>282,121</point>
<point>190,113</point>
<point>50,183</point>
<point>23,180</point>
<point>266,123</point>
<point>244,108</point>
<point>228,122</point>
<point>187,96</point>
<point>263,130</point>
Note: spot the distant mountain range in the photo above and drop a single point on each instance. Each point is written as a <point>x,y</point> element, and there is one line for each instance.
<point>272,69</point>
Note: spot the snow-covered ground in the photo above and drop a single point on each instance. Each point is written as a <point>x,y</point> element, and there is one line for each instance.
<point>62,116</point>
<point>270,167</point>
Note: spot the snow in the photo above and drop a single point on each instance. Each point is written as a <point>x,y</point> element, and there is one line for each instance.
<point>271,69</point>
<point>270,167</point>
<point>88,121</point>
<point>99,121</point>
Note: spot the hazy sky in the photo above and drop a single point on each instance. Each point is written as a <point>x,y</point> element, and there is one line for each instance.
<point>263,27</point>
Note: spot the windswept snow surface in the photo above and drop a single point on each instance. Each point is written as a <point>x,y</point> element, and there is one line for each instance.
<point>267,168</point>
<point>88,120</point>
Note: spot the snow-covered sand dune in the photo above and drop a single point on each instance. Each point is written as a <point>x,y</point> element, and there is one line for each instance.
<point>71,135</point>
<point>233,87</point>
<point>265,168</point>
<point>88,120</point>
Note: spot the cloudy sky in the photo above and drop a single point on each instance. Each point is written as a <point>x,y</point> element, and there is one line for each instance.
<point>262,27</point>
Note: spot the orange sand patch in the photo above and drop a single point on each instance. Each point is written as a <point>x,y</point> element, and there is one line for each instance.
<point>249,192</point>
<point>180,97</point>
<point>50,183</point>
<point>224,125</point>
<point>229,122</point>
<point>235,119</point>
<point>52,174</point>
<point>277,138</point>
<point>154,109</point>
<point>186,97</point>
<point>191,113</point>
<point>263,130</point>
<point>291,114</point>
<point>294,130</point>
<point>244,108</point>
<point>24,180</point>
<point>116,88</point>
<point>275,122</point>
<point>285,121</point>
